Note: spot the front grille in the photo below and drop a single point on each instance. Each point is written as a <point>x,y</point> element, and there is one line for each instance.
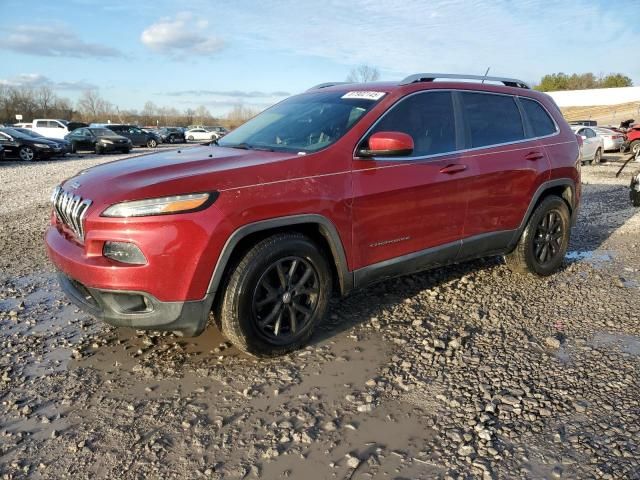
<point>70,210</point>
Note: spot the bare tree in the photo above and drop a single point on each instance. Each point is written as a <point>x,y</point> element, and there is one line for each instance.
<point>363,73</point>
<point>45,99</point>
<point>240,114</point>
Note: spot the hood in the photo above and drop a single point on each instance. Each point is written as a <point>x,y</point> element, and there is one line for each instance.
<point>188,170</point>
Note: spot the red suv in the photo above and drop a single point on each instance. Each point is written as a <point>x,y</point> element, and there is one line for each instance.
<point>633,139</point>
<point>327,191</point>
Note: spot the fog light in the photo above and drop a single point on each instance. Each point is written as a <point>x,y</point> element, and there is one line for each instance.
<point>124,252</point>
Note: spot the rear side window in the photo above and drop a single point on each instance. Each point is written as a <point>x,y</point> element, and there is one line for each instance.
<point>491,119</point>
<point>540,121</point>
<point>428,118</point>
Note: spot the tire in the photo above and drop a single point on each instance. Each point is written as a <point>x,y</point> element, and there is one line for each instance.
<point>152,143</point>
<point>597,157</point>
<point>526,258</point>
<point>126,150</point>
<point>172,139</point>
<point>634,147</point>
<point>26,154</point>
<point>259,312</point>
<point>74,149</point>
<point>99,150</point>
<point>190,138</point>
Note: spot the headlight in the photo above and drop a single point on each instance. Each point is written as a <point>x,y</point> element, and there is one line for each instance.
<point>104,140</point>
<point>41,145</point>
<point>161,206</point>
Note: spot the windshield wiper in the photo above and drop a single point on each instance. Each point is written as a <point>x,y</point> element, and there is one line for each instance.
<point>246,146</point>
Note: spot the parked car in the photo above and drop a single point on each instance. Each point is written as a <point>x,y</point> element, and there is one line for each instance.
<point>21,146</point>
<point>220,131</point>
<point>50,128</point>
<point>172,135</point>
<point>585,123</point>
<point>138,137</point>
<point>99,140</point>
<point>200,134</point>
<point>633,139</point>
<point>329,190</point>
<point>612,140</point>
<point>64,145</point>
<point>592,144</point>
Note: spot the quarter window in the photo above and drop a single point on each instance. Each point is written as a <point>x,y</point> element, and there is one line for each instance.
<point>540,121</point>
<point>491,119</point>
<point>428,118</point>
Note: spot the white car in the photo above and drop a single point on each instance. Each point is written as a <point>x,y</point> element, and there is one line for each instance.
<point>50,127</point>
<point>612,139</point>
<point>592,144</point>
<point>199,134</point>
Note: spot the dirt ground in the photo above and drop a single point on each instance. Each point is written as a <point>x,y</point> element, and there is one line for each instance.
<point>469,371</point>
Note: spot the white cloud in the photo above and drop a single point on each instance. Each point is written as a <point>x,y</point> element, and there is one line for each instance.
<point>527,38</point>
<point>182,34</point>
<point>52,41</point>
<point>35,80</point>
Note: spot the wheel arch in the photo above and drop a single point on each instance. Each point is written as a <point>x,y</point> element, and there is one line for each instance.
<point>317,227</point>
<point>564,188</point>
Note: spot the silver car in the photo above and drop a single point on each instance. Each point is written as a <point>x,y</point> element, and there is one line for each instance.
<point>592,144</point>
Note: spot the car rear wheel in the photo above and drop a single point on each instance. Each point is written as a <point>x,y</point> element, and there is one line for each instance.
<point>26,154</point>
<point>276,295</point>
<point>152,143</point>
<point>543,244</point>
<point>634,148</point>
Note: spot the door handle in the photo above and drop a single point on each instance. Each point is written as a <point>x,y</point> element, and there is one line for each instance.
<point>453,168</point>
<point>533,156</point>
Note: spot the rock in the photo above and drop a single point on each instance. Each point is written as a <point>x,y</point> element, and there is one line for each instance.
<point>552,342</point>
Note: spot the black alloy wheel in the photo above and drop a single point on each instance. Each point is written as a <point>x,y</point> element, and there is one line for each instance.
<point>285,299</point>
<point>548,240</point>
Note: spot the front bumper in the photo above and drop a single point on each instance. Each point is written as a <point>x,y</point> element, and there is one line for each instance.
<point>139,310</point>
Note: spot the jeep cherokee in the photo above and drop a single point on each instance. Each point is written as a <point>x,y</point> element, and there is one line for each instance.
<point>330,190</point>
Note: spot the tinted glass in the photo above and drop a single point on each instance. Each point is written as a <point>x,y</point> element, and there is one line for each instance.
<point>428,118</point>
<point>540,121</point>
<point>303,123</point>
<point>491,119</point>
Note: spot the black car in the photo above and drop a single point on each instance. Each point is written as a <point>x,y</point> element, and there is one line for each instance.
<point>172,135</point>
<point>138,137</point>
<point>65,146</point>
<point>24,147</point>
<point>99,140</point>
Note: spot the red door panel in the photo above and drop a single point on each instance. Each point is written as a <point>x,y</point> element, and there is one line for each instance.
<point>504,181</point>
<point>404,207</point>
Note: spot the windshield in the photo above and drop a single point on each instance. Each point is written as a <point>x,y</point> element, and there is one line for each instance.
<point>102,131</point>
<point>30,133</point>
<point>304,123</point>
<point>14,133</point>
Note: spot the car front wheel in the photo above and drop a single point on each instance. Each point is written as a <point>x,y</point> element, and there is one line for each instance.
<point>276,295</point>
<point>26,154</point>
<point>544,242</point>
<point>151,143</point>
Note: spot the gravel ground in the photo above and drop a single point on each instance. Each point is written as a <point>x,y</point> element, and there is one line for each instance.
<point>463,372</point>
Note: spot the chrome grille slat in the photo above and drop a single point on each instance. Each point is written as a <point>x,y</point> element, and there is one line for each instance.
<point>71,210</point>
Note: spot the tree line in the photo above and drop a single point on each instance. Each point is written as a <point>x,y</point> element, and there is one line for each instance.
<point>43,102</point>
<point>582,81</point>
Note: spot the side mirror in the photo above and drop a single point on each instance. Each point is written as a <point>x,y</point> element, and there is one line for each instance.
<point>388,144</point>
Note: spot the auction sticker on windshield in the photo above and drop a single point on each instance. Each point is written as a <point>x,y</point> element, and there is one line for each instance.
<point>364,95</point>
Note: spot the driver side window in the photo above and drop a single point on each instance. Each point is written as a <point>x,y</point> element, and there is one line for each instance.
<point>428,118</point>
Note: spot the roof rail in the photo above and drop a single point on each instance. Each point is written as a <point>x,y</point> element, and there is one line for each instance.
<point>326,85</point>
<point>430,77</point>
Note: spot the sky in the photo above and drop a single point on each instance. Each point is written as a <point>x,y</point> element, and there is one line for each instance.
<point>223,53</point>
